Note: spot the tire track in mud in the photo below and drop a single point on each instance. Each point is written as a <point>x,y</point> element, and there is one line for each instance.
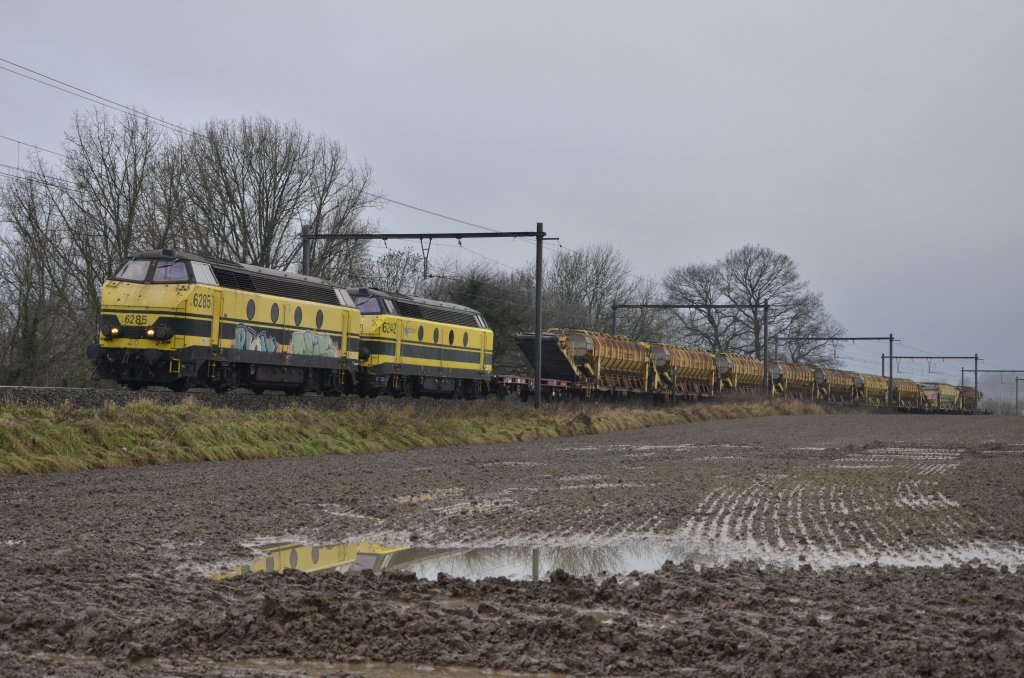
<point>905,518</point>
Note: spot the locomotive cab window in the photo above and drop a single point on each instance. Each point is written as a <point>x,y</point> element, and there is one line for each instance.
<point>367,305</point>
<point>171,272</point>
<point>203,273</point>
<point>135,270</point>
<point>158,271</point>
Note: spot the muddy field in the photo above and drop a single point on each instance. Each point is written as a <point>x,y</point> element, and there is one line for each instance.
<point>818,545</point>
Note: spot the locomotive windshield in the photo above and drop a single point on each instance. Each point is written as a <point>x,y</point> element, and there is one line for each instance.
<point>170,272</point>
<point>134,271</point>
<point>155,271</point>
<point>367,305</point>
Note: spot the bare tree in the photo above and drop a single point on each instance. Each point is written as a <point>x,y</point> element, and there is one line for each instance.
<point>37,331</point>
<point>643,324</point>
<point>398,270</point>
<point>807,317</point>
<point>247,184</point>
<point>168,201</point>
<point>706,328</point>
<point>109,166</point>
<point>253,183</point>
<point>339,195</point>
<point>750,277</point>
<point>581,285</point>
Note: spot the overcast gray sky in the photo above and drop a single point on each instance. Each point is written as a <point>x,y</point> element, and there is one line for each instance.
<point>879,143</point>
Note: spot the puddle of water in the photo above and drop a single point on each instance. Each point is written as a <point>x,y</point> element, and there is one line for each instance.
<point>639,554</point>
<point>513,562</point>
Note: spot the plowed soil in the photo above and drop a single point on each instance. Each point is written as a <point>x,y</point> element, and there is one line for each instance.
<point>823,545</point>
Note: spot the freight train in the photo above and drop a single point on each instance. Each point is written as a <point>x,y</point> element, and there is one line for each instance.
<point>597,366</point>
<point>181,320</point>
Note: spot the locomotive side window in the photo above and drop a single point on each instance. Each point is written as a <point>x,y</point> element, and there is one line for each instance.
<point>170,272</point>
<point>203,274</point>
<point>134,271</point>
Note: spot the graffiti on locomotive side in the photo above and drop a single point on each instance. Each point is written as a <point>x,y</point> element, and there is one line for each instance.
<point>249,339</point>
<point>308,342</point>
<point>303,342</point>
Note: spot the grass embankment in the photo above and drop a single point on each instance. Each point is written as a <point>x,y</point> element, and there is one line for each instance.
<point>65,438</point>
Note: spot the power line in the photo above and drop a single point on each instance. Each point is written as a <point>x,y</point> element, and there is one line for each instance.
<point>37,180</point>
<point>484,256</point>
<point>89,96</point>
<point>34,173</point>
<point>25,143</point>
<point>373,195</point>
<point>129,110</point>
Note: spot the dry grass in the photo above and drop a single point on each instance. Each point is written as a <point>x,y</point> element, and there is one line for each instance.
<point>64,438</point>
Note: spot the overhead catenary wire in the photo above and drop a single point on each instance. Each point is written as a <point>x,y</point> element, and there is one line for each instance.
<point>35,174</point>
<point>41,182</point>
<point>25,143</point>
<point>82,93</point>
<point>479,254</point>
<point>125,109</point>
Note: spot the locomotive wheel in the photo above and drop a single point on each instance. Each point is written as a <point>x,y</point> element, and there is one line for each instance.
<point>180,386</point>
<point>403,389</point>
<point>134,386</point>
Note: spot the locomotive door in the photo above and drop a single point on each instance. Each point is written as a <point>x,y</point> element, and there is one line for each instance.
<point>216,313</point>
<point>178,340</point>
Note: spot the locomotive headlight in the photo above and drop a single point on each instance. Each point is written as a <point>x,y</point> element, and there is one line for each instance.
<point>105,331</point>
<point>159,332</point>
<point>111,331</point>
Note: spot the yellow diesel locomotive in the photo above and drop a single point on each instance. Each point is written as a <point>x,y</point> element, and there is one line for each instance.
<point>415,346</point>
<point>180,320</point>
